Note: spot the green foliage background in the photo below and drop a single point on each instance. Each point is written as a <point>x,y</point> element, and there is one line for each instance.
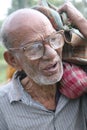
<point>3,66</point>
<point>16,4</point>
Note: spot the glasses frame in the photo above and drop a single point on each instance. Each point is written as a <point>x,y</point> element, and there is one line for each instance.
<point>24,47</point>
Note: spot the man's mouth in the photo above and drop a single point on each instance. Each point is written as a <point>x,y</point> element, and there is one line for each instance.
<point>51,69</point>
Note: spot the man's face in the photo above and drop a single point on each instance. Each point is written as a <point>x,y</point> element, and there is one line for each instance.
<point>45,70</point>
<point>48,68</point>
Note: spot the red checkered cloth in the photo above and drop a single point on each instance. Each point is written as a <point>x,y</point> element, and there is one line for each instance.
<point>74,81</point>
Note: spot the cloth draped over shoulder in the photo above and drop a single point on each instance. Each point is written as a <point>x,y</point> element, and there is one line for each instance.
<point>75,47</point>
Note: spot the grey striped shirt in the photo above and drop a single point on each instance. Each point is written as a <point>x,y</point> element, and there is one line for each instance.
<point>18,111</point>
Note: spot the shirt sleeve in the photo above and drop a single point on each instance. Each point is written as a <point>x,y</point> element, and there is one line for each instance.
<point>3,124</point>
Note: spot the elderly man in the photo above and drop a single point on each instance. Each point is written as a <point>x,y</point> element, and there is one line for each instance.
<point>35,48</point>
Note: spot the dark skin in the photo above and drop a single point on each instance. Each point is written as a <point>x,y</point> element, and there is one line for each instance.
<point>75,17</point>
<point>46,98</point>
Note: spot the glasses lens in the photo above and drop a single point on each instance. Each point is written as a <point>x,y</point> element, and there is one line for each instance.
<point>34,51</point>
<point>57,41</point>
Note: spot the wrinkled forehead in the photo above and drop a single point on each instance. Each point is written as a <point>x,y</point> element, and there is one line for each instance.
<point>28,21</point>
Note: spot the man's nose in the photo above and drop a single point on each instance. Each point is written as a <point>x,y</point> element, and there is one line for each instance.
<point>49,52</point>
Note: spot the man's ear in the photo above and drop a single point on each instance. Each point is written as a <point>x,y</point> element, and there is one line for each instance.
<point>11,60</point>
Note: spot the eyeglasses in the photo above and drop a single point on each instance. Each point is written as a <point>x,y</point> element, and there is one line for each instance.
<point>36,49</point>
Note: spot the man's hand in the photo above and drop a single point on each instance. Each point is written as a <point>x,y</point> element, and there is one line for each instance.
<point>75,17</point>
<point>72,13</point>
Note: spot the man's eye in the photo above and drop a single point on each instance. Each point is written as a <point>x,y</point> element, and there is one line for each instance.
<point>39,46</point>
<point>35,47</point>
<point>52,39</point>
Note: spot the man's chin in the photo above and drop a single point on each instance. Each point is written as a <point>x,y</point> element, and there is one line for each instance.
<point>49,80</point>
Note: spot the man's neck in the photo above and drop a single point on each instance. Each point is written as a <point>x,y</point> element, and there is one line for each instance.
<point>44,94</point>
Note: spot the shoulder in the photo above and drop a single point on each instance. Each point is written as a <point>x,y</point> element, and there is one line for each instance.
<point>84,98</point>
<point>4,95</point>
<point>84,104</point>
<point>4,89</point>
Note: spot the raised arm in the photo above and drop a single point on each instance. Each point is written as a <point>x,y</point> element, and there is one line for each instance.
<point>75,17</point>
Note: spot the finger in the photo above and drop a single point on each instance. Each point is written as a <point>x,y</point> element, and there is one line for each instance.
<point>61,9</point>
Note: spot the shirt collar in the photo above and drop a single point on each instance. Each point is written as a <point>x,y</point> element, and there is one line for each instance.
<point>17,92</point>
